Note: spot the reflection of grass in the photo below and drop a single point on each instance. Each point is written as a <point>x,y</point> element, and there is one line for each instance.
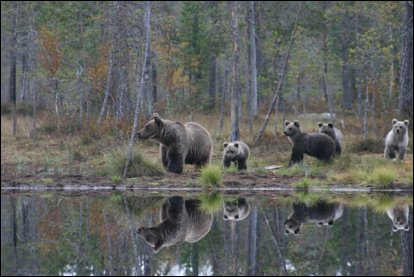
<point>211,202</point>
<point>309,199</point>
<point>211,176</point>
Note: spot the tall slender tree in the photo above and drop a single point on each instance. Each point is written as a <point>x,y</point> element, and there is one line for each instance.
<point>236,89</point>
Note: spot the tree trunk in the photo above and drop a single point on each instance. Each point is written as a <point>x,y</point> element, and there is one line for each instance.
<point>223,99</point>
<point>235,97</point>
<point>405,103</point>
<point>109,78</point>
<point>12,74</point>
<point>154,83</point>
<point>140,84</point>
<point>282,78</point>
<point>253,68</point>
<point>251,264</point>
<point>212,83</point>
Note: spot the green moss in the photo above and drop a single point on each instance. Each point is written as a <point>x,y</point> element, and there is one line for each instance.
<point>211,176</point>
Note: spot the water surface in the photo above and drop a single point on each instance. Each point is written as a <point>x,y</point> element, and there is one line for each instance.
<point>215,234</point>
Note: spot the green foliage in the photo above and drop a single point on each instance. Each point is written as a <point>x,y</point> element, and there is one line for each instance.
<point>139,165</point>
<point>117,179</point>
<point>303,184</point>
<point>383,176</point>
<point>211,202</point>
<point>211,176</point>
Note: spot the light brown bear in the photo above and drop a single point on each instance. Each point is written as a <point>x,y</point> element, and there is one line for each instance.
<point>399,217</point>
<point>396,141</point>
<point>181,220</point>
<point>237,152</point>
<point>180,144</point>
<point>236,210</point>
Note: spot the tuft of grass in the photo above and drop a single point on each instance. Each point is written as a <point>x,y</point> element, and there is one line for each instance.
<point>211,202</point>
<point>382,176</point>
<point>211,176</point>
<point>303,184</point>
<point>117,179</point>
<point>139,165</point>
<point>298,170</point>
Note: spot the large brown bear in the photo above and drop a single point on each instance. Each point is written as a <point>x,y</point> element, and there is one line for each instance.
<point>187,143</point>
<point>181,220</point>
<point>317,145</point>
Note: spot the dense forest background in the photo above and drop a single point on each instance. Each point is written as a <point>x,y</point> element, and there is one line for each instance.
<point>98,63</point>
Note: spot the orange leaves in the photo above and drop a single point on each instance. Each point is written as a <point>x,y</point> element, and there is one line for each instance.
<point>98,73</point>
<point>50,55</point>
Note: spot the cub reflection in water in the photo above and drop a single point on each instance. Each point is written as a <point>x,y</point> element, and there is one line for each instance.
<point>399,217</point>
<point>236,210</point>
<point>322,212</point>
<point>181,220</point>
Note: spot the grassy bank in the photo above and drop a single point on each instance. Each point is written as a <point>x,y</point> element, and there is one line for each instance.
<point>85,150</point>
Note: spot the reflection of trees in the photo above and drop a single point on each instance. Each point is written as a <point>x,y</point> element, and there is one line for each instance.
<point>52,234</point>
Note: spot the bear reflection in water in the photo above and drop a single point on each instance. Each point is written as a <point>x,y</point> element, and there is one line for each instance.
<point>399,217</point>
<point>181,220</point>
<point>236,210</point>
<point>322,212</point>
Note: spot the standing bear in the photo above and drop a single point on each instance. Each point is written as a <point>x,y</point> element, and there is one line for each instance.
<point>322,212</point>
<point>181,220</point>
<point>396,141</point>
<point>237,152</point>
<point>316,145</point>
<point>334,133</point>
<point>180,144</point>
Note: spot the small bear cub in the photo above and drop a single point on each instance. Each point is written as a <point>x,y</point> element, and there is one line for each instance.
<point>396,141</point>
<point>237,152</point>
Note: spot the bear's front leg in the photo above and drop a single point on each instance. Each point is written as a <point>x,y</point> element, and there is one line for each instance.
<point>296,157</point>
<point>226,162</point>
<point>175,162</point>
<point>164,156</point>
<point>401,153</point>
<point>389,152</point>
<point>241,164</point>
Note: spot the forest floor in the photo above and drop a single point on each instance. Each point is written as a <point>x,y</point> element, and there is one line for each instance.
<point>79,160</point>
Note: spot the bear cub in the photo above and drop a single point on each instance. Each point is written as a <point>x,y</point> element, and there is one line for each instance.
<point>237,152</point>
<point>335,134</point>
<point>396,141</point>
<point>317,145</point>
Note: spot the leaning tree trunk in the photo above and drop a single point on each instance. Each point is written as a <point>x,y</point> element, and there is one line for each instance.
<point>235,77</point>
<point>405,103</point>
<point>282,78</point>
<point>141,85</point>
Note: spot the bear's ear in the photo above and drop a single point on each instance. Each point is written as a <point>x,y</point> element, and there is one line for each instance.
<point>297,231</point>
<point>225,144</point>
<point>236,145</point>
<point>406,122</point>
<point>287,232</point>
<point>286,123</point>
<point>394,121</point>
<point>296,123</point>
<point>320,124</point>
<point>406,228</point>
<point>157,119</point>
<point>395,229</point>
<point>330,125</point>
<point>225,217</point>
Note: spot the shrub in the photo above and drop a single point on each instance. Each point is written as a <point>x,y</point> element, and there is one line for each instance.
<point>211,176</point>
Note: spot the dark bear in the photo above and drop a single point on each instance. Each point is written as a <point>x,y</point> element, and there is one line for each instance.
<point>322,212</point>
<point>316,145</point>
<point>188,143</point>
<point>396,141</point>
<point>237,152</point>
<point>333,132</point>
<point>236,210</point>
<point>181,220</point>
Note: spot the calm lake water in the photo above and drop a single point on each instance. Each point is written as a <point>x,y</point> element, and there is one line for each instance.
<point>205,234</point>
